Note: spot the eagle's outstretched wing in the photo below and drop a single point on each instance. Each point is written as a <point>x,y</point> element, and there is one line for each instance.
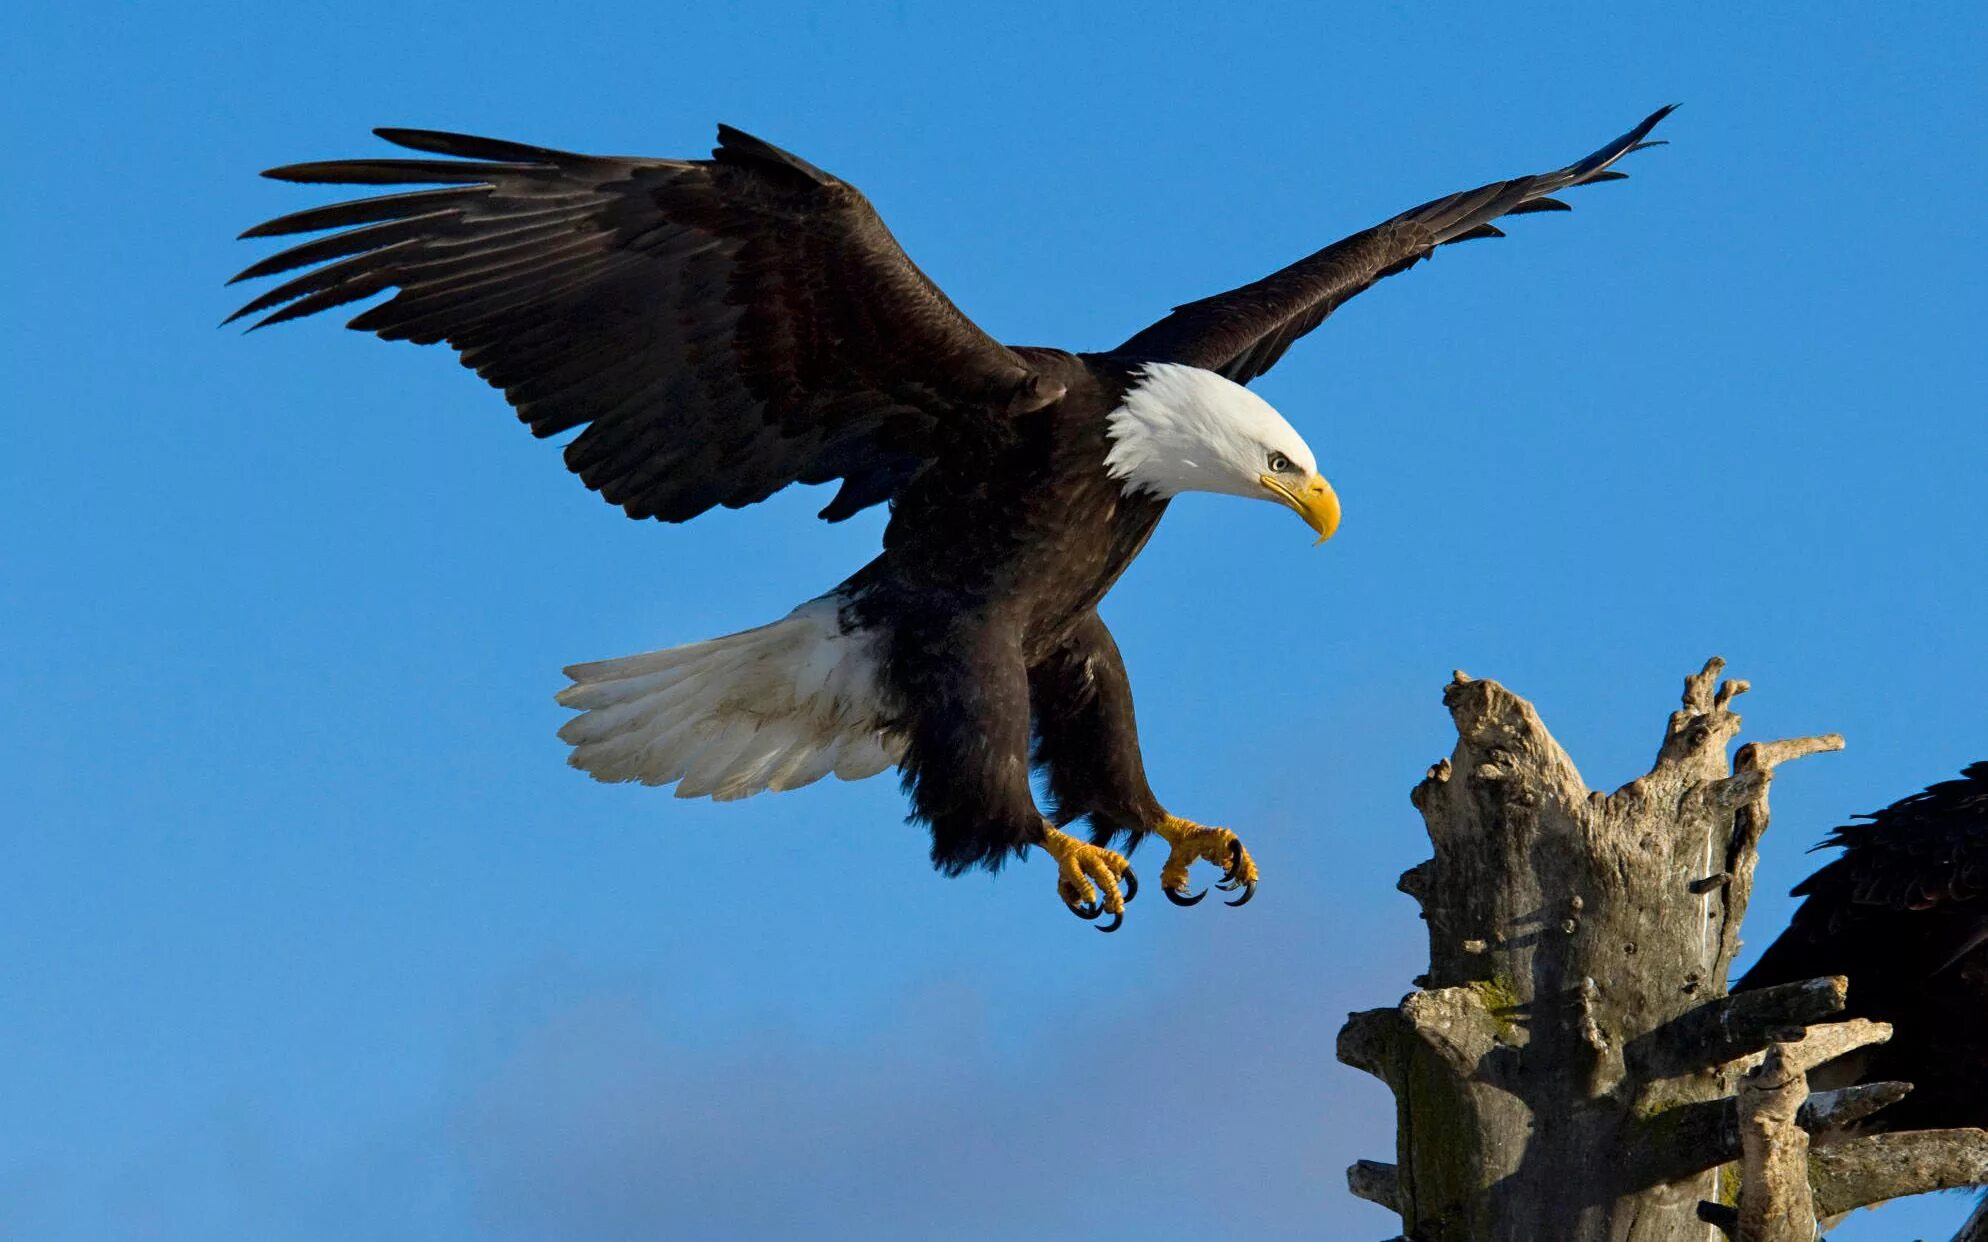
<point>1243,332</point>
<point>721,327</point>
<point>1923,855</point>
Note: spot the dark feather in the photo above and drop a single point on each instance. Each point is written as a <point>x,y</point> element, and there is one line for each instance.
<point>368,273</point>
<point>735,146</point>
<point>352,241</point>
<point>1241,333</point>
<point>363,211</point>
<point>721,328</point>
<point>471,147</point>
<point>1903,914</point>
<point>394,172</point>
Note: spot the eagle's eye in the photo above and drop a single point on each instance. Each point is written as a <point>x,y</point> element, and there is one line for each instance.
<point>1279,463</point>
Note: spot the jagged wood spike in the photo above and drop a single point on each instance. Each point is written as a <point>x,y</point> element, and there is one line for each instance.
<point>1695,1138</point>
<point>1889,1166</point>
<point>1734,1026</point>
<point>1827,1111</point>
<point>1376,1182</point>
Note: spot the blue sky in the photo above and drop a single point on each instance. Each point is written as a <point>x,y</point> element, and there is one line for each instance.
<point>312,935</point>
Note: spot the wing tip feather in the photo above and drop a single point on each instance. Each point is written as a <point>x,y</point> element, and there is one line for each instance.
<point>735,146</point>
<point>471,146</point>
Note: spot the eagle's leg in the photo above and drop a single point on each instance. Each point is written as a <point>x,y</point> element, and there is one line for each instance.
<point>1189,841</point>
<point>966,765</point>
<point>1088,739</point>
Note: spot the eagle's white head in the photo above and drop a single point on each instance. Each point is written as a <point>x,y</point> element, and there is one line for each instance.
<point>1183,429</point>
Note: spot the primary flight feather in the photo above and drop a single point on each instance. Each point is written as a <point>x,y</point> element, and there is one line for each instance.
<point>722,328</point>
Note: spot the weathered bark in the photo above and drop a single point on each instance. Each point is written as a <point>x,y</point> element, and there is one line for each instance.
<point>1777,1204</point>
<point>1568,1070</point>
<point>1572,1067</point>
<point>1888,1166</point>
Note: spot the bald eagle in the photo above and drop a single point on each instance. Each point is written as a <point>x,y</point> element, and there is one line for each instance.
<point>723,328</point>
<point>1903,914</point>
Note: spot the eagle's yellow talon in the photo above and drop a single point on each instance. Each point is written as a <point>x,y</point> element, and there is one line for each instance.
<point>1189,842</point>
<point>1083,871</point>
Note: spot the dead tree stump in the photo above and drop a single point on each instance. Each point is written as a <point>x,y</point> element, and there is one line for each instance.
<point>1571,1069</point>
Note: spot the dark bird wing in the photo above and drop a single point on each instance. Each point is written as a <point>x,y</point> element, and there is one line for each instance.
<point>1926,854</point>
<point>1903,913</point>
<point>1243,332</point>
<point>721,327</point>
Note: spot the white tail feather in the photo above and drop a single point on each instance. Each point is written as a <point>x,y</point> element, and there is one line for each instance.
<point>775,707</point>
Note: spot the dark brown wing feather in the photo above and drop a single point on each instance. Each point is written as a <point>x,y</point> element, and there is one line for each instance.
<point>1243,332</point>
<point>1925,852</point>
<point>721,327</point>
<point>1903,913</point>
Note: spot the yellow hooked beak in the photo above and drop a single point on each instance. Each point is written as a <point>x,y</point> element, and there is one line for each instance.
<point>1315,502</point>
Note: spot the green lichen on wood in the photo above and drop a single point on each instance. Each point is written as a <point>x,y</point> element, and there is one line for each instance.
<point>1729,1184</point>
<point>1659,1125</point>
<point>1500,1000</point>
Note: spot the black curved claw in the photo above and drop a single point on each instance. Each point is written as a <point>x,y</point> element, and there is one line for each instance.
<point>1116,920</point>
<point>1234,868</point>
<point>1249,891</point>
<point>1086,911</point>
<point>1183,899</point>
<point>1130,882</point>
